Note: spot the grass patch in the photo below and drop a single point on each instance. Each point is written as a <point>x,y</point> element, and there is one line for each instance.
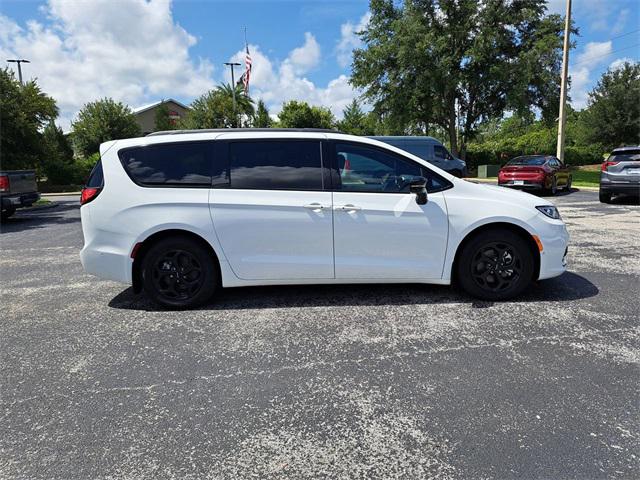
<point>42,201</point>
<point>583,177</point>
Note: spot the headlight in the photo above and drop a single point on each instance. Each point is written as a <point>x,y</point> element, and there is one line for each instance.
<point>550,211</point>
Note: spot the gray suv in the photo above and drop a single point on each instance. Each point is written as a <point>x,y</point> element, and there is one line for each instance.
<point>620,173</point>
<point>431,150</point>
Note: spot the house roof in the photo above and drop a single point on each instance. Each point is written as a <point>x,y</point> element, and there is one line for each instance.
<point>144,108</point>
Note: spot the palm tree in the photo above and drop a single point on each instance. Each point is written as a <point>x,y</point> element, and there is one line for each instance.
<point>244,103</point>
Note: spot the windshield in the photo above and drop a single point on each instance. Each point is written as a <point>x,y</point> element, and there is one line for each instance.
<point>628,156</point>
<point>528,161</point>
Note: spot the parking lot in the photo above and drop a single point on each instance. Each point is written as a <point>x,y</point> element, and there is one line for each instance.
<point>380,381</point>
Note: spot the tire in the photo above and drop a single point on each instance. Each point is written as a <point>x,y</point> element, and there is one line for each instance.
<point>605,197</point>
<point>7,213</point>
<point>554,186</point>
<point>567,187</point>
<point>476,271</point>
<point>179,273</point>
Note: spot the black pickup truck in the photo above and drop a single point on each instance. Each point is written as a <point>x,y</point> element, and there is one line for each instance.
<point>18,188</point>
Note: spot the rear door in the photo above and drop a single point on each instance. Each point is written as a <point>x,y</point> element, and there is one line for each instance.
<point>271,208</point>
<point>379,229</point>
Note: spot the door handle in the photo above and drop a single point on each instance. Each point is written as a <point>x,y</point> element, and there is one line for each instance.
<point>314,206</point>
<point>348,208</point>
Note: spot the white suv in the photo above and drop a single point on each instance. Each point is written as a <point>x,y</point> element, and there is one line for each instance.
<point>180,214</point>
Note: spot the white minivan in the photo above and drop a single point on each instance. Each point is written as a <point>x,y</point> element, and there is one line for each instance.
<point>180,214</point>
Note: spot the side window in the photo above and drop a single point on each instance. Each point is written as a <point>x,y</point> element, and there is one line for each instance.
<point>96,177</point>
<point>416,148</point>
<point>440,152</point>
<point>185,164</point>
<point>275,165</point>
<point>365,169</point>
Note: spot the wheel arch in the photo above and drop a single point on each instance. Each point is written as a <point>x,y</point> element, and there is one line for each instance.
<point>141,249</point>
<point>517,229</point>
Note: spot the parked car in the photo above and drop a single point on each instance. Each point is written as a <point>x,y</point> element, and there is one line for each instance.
<point>179,215</point>
<point>620,173</point>
<point>431,150</point>
<point>18,189</point>
<point>535,172</point>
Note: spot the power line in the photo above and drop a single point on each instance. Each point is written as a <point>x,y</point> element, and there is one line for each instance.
<point>625,34</point>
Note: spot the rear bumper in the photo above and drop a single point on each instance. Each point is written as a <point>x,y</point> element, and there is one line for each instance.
<point>19,200</point>
<point>620,187</point>
<point>526,184</point>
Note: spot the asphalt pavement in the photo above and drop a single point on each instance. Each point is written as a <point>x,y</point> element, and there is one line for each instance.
<point>384,381</point>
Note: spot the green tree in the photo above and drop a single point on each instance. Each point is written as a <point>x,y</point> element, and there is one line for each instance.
<point>24,111</point>
<point>613,114</point>
<point>214,109</point>
<point>163,121</point>
<point>355,121</point>
<point>457,63</point>
<point>296,114</point>
<point>59,165</point>
<point>262,118</point>
<point>101,121</point>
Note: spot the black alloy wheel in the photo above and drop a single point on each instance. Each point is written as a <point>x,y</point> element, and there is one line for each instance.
<point>179,272</point>
<point>495,264</point>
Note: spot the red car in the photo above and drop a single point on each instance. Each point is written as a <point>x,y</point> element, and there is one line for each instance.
<point>536,172</point>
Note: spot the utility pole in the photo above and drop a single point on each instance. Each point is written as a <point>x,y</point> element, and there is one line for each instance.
<point>19,61</point>
<point>233,90</point>
<point>562,119</point>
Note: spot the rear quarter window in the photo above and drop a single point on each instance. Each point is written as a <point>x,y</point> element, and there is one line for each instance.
<point>96,177</point>
<point>185,164</point>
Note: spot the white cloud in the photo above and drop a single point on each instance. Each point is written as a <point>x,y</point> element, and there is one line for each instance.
<point>277,82</point>
<point>619,63</point>
<point>306,57</point>
<point>102,48</point>
<point>349,39</point>
<point>593,55</point>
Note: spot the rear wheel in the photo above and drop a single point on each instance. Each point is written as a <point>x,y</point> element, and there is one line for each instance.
<point>554,186</point>
<point>495,265</point>
<point>179,272</point>
<point>567,187</point>
<point>605,197</point>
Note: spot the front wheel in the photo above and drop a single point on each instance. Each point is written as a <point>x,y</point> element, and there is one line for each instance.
<point>567,187</point>
<point>554,186</point>
<point>7,213</point>
<point>495,265</point>
<point>179,272</point>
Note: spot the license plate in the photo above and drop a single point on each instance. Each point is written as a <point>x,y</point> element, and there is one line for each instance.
<point>518,182</point>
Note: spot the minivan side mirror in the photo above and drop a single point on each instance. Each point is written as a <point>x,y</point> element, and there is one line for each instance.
<point>419,186</point>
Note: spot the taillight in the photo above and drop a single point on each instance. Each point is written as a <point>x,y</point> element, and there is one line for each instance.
<point>4,183</point>
<point>88,194</point>
<point>606,165</point>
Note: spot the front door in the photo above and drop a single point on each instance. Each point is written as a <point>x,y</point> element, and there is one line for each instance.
<point>270,210</point>
<point>379,229</point>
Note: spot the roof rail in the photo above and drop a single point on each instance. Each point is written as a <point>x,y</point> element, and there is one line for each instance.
<point>224,130</point>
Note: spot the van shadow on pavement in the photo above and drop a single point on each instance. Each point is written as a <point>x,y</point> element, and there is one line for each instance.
<point>567,287</point>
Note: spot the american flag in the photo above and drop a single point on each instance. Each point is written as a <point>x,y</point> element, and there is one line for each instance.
<point>247,73</point>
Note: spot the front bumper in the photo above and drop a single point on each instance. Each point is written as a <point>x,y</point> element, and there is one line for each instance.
<point>20,200</point>
<point>555,249</point>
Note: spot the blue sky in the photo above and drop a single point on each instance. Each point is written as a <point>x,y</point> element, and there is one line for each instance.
<point>139,52</point>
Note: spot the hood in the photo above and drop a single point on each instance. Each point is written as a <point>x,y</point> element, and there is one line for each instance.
<point>505,194</point>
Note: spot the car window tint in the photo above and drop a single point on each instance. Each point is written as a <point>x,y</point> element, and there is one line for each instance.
<point>275,165</point>
<point>628,156</point>
<point>439,151</point>
<point>365,169</point>
<point>96,177</point>
<point>527,161</point>
<point>416,148</point>
<point>181,164</point>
